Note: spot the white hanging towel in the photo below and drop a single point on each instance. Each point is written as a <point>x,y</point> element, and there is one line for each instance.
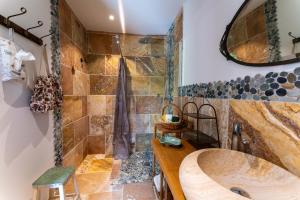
<point>11,60</point>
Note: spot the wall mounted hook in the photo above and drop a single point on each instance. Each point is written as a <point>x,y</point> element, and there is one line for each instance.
<point>291,34</point>
<point>51,33</point>
<point>6,22</point>
<point>295,39</point>
<point>23,11</point>
<point>73,70</point>
<point>40,23</point>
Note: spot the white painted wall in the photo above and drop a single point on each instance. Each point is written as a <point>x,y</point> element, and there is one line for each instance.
<point>26,148</point>
<point>204,24</point>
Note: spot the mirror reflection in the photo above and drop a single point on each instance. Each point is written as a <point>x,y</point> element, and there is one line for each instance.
<point>266,31</point>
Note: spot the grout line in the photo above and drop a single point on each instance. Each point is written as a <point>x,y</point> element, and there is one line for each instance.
<point>65,125</point>
<point>73,149</point>
<point>70,39</point>
<point>76,71</point>
<point>133,76</point>
<point>126,56</point>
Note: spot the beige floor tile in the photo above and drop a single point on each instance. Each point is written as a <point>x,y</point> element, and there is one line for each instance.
<point>107,196</point>
<point>116,169</point>
<point>112,188</point>
<point>95,185</point>
<point>139,191</point>
<point>90,183</point>
<point>95,164</point>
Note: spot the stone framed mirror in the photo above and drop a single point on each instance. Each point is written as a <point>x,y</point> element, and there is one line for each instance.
<point>263,33</point>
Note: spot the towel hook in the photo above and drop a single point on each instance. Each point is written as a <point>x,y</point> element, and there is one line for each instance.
<point>291,34</point>
<point>51,33</point>
<point>295,39</point>
<point>40,23</point>
<point>23,11</point>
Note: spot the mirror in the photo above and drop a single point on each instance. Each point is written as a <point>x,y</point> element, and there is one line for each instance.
<point>264,33</point>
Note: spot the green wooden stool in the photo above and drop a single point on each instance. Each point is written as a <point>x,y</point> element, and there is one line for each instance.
<point>56,177</point>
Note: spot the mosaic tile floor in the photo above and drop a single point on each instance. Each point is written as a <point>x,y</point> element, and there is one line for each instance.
<point>137,169</point>
<point>96,175</point>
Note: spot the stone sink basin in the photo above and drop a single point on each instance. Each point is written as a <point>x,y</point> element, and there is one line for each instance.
<point>219,174</point>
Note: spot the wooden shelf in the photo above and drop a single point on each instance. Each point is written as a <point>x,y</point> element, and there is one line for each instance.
<point>200,116</point>
<point>169,160</point>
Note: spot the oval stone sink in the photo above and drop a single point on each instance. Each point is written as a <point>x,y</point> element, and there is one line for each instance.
<point>220,174</point>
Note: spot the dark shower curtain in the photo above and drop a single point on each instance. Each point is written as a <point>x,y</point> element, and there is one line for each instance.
<point>121,135</point>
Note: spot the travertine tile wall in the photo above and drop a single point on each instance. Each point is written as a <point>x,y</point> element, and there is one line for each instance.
<point>75,83</point>
<point>146,69</point>
<point>178,35</point>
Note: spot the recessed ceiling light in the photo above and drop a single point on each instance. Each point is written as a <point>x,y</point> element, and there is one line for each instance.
<point>111,17</point>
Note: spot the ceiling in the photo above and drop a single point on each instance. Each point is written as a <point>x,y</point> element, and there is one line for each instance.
<point>145,17</point>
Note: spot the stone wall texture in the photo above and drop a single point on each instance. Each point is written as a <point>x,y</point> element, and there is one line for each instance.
<point>146,70</point>
<point>75,84</point>
<point>89,65</point>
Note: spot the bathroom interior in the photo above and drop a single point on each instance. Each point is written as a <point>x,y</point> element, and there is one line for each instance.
<point>149,99</point>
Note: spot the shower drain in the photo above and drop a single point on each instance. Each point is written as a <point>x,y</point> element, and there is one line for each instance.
<point>240,191</point>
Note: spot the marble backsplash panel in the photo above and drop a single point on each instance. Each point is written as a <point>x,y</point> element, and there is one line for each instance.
<point>273,129</point>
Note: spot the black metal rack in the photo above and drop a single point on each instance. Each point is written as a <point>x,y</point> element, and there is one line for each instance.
<point>203,139</point>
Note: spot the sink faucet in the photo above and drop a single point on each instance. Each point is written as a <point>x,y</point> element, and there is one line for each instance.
<point>236,136</point>
<point>239,143</point>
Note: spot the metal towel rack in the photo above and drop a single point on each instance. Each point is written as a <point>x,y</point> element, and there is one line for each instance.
<point>20,30</point>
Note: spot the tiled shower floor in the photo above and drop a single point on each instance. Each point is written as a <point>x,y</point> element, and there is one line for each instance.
<point>96,175</point>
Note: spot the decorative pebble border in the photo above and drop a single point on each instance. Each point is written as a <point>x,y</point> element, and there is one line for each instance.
<point>272,30</point>
<point>169,89</point>
<point>56,70</point>
<point>282,86</point>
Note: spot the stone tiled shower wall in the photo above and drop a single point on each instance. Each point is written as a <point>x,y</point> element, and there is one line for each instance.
<point>75,83</point>
<point>146,69</point>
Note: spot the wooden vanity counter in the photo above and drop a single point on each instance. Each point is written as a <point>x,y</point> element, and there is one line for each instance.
<point>169,160</point>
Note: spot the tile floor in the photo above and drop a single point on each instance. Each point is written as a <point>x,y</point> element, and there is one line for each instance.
<point>95,176</point>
